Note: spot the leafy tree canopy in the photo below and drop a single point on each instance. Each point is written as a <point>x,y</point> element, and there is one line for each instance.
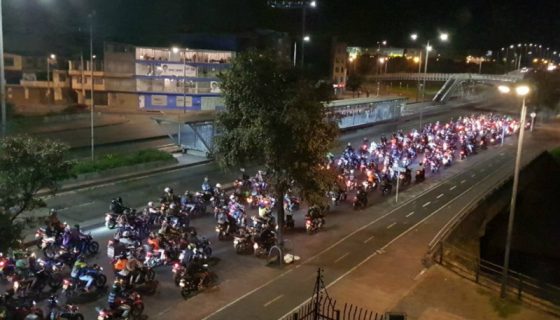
<point>27,165</point>
<point>274,117</point>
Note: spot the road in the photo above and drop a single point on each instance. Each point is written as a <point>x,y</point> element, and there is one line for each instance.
<point>243,291</point>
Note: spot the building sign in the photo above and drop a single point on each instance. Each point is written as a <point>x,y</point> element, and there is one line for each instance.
<point>159,100</point>
<point>181,101</point>
<point>165,69</point>
<point>215,87</point>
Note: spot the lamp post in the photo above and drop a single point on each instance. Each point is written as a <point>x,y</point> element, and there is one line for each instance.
<point>521,91</point>
<point>533,115</point>
<point>50,58</point>
<point>92,105</point>
<point>2,79</point>
<point>311,4</point>
<point>444,37</point>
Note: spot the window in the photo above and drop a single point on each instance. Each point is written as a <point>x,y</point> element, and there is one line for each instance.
<point>9,61</point>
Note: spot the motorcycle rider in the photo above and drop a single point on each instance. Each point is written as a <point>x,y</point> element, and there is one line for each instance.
<point>168,196</point>
<point>206,186</point>
<point>361,196</point>
<point>72,237</point>
<point>54,225</point>
<point>196,271</point>
<point>117,205</point>
<point>118,291</point>
<point>79,272</point>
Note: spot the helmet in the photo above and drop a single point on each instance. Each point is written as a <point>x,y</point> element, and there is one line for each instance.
<point>218,186</point>
<point>232,197</point>
<point>81,258</point>
<point>167,190</point>
<point>77,226</point>
<point>126,234</point>
<point>119,199</point>
<point>52,212</point>
<point>187,192</point>
<point>349,144</point>
<point>172,206</point>
<point>205,179</point>
<point>150,204</point>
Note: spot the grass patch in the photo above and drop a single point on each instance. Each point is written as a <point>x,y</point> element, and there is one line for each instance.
<point>111,161</point>
<point>555,153</point>
<point>504,307</point>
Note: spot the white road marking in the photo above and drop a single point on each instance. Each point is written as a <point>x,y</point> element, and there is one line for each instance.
<point>452,188</point>
<point>440,195</point>
<point>76,206</point>
<point>272,301</point>
<point>368,239</point>
<point>426,204</point>
<point>408,215</point>
<point>342,257</point>
<point>420,274</point>
<point>473,175</point>
<point>463,181</point>
<point>391,225</point>
<point>327,249</point>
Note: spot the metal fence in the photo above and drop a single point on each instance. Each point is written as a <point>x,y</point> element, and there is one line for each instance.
<point>445,77</point>
<point>488,274</point>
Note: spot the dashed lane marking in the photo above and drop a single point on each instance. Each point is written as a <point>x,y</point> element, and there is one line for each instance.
<point>452,188</point>
<point>463,181</point>
<point>426,204</point>
<point>408,215</point>
<point>273,300</point>
<point>391,225</point>
<point>473,175</point>
<point>342,257</point>
<point>440,195</point>
<point>368,239</point>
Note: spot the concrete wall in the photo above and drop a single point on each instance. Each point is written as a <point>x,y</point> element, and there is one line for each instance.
<point>121,100</point>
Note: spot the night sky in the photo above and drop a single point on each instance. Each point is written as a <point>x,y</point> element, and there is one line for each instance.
<point>38,26</point>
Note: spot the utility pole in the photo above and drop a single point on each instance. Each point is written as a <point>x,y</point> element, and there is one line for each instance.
<point>92,85</point>
<point>2,77</point>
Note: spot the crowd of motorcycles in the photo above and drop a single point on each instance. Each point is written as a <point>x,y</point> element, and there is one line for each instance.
<point>161,234</point>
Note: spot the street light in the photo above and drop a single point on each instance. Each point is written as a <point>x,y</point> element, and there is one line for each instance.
<point>533,115</point>
<point>306,38</point>
<point>521,91</point>
<point>444,37</point>
<point>50,59</point>
<point>414,36</point>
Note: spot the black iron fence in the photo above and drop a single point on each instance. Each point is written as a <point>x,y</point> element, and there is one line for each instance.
<point>488,274</point>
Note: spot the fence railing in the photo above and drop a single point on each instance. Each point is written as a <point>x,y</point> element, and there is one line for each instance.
<point>488,274</point>
<point>329,311</point>
<point>445,76</point>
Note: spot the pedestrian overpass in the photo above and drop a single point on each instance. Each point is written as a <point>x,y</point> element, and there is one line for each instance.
<point>455,84</point>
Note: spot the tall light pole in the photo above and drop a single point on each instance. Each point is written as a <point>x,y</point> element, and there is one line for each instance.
<point>311,4</point>
<point>92,85</point>
<point>50,58</point>
<point>2,78</point>
<point>521,91</point>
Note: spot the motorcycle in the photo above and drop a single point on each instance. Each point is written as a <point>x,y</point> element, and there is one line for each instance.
<point>129,307</point>
<point>386,189</point>
<point>70,286</point>
<point>243,244</point>
<point>7,267</point>
<point>290,223</point>
<point>359,202</point>
<point>190,286</point>
<point>88,246</point>
<point>420,176</point>
<point>313,224</point>
<point>69,312</point>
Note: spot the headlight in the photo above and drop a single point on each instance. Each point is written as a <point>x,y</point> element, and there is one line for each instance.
<point>235,242</point>
<point>37,235</point>
<point>217,229</point>
<point>107,218</point>
<point>256,246</point>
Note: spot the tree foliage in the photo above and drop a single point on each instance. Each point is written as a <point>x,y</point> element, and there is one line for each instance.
<point>273,116</point>
<point>547,88</point>
<point>354,82</point>
<point>28,165</point>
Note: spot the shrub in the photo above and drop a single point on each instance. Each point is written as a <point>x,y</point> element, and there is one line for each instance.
<point>111,161</point>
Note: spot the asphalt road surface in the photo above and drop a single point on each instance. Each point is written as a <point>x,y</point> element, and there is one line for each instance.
<point>246,288</point>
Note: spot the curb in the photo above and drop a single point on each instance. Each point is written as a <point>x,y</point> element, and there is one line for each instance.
<point>93,183</point>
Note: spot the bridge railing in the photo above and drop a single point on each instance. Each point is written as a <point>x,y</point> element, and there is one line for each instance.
<point>445,76</point>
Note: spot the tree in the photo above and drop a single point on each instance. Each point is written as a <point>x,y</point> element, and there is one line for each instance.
<point>274,117</point>
<point>27,165</point>
<point>354,82</point>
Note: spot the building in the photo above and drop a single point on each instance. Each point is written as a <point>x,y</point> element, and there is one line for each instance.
<point>153,78</point>
<point>339,65</point>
